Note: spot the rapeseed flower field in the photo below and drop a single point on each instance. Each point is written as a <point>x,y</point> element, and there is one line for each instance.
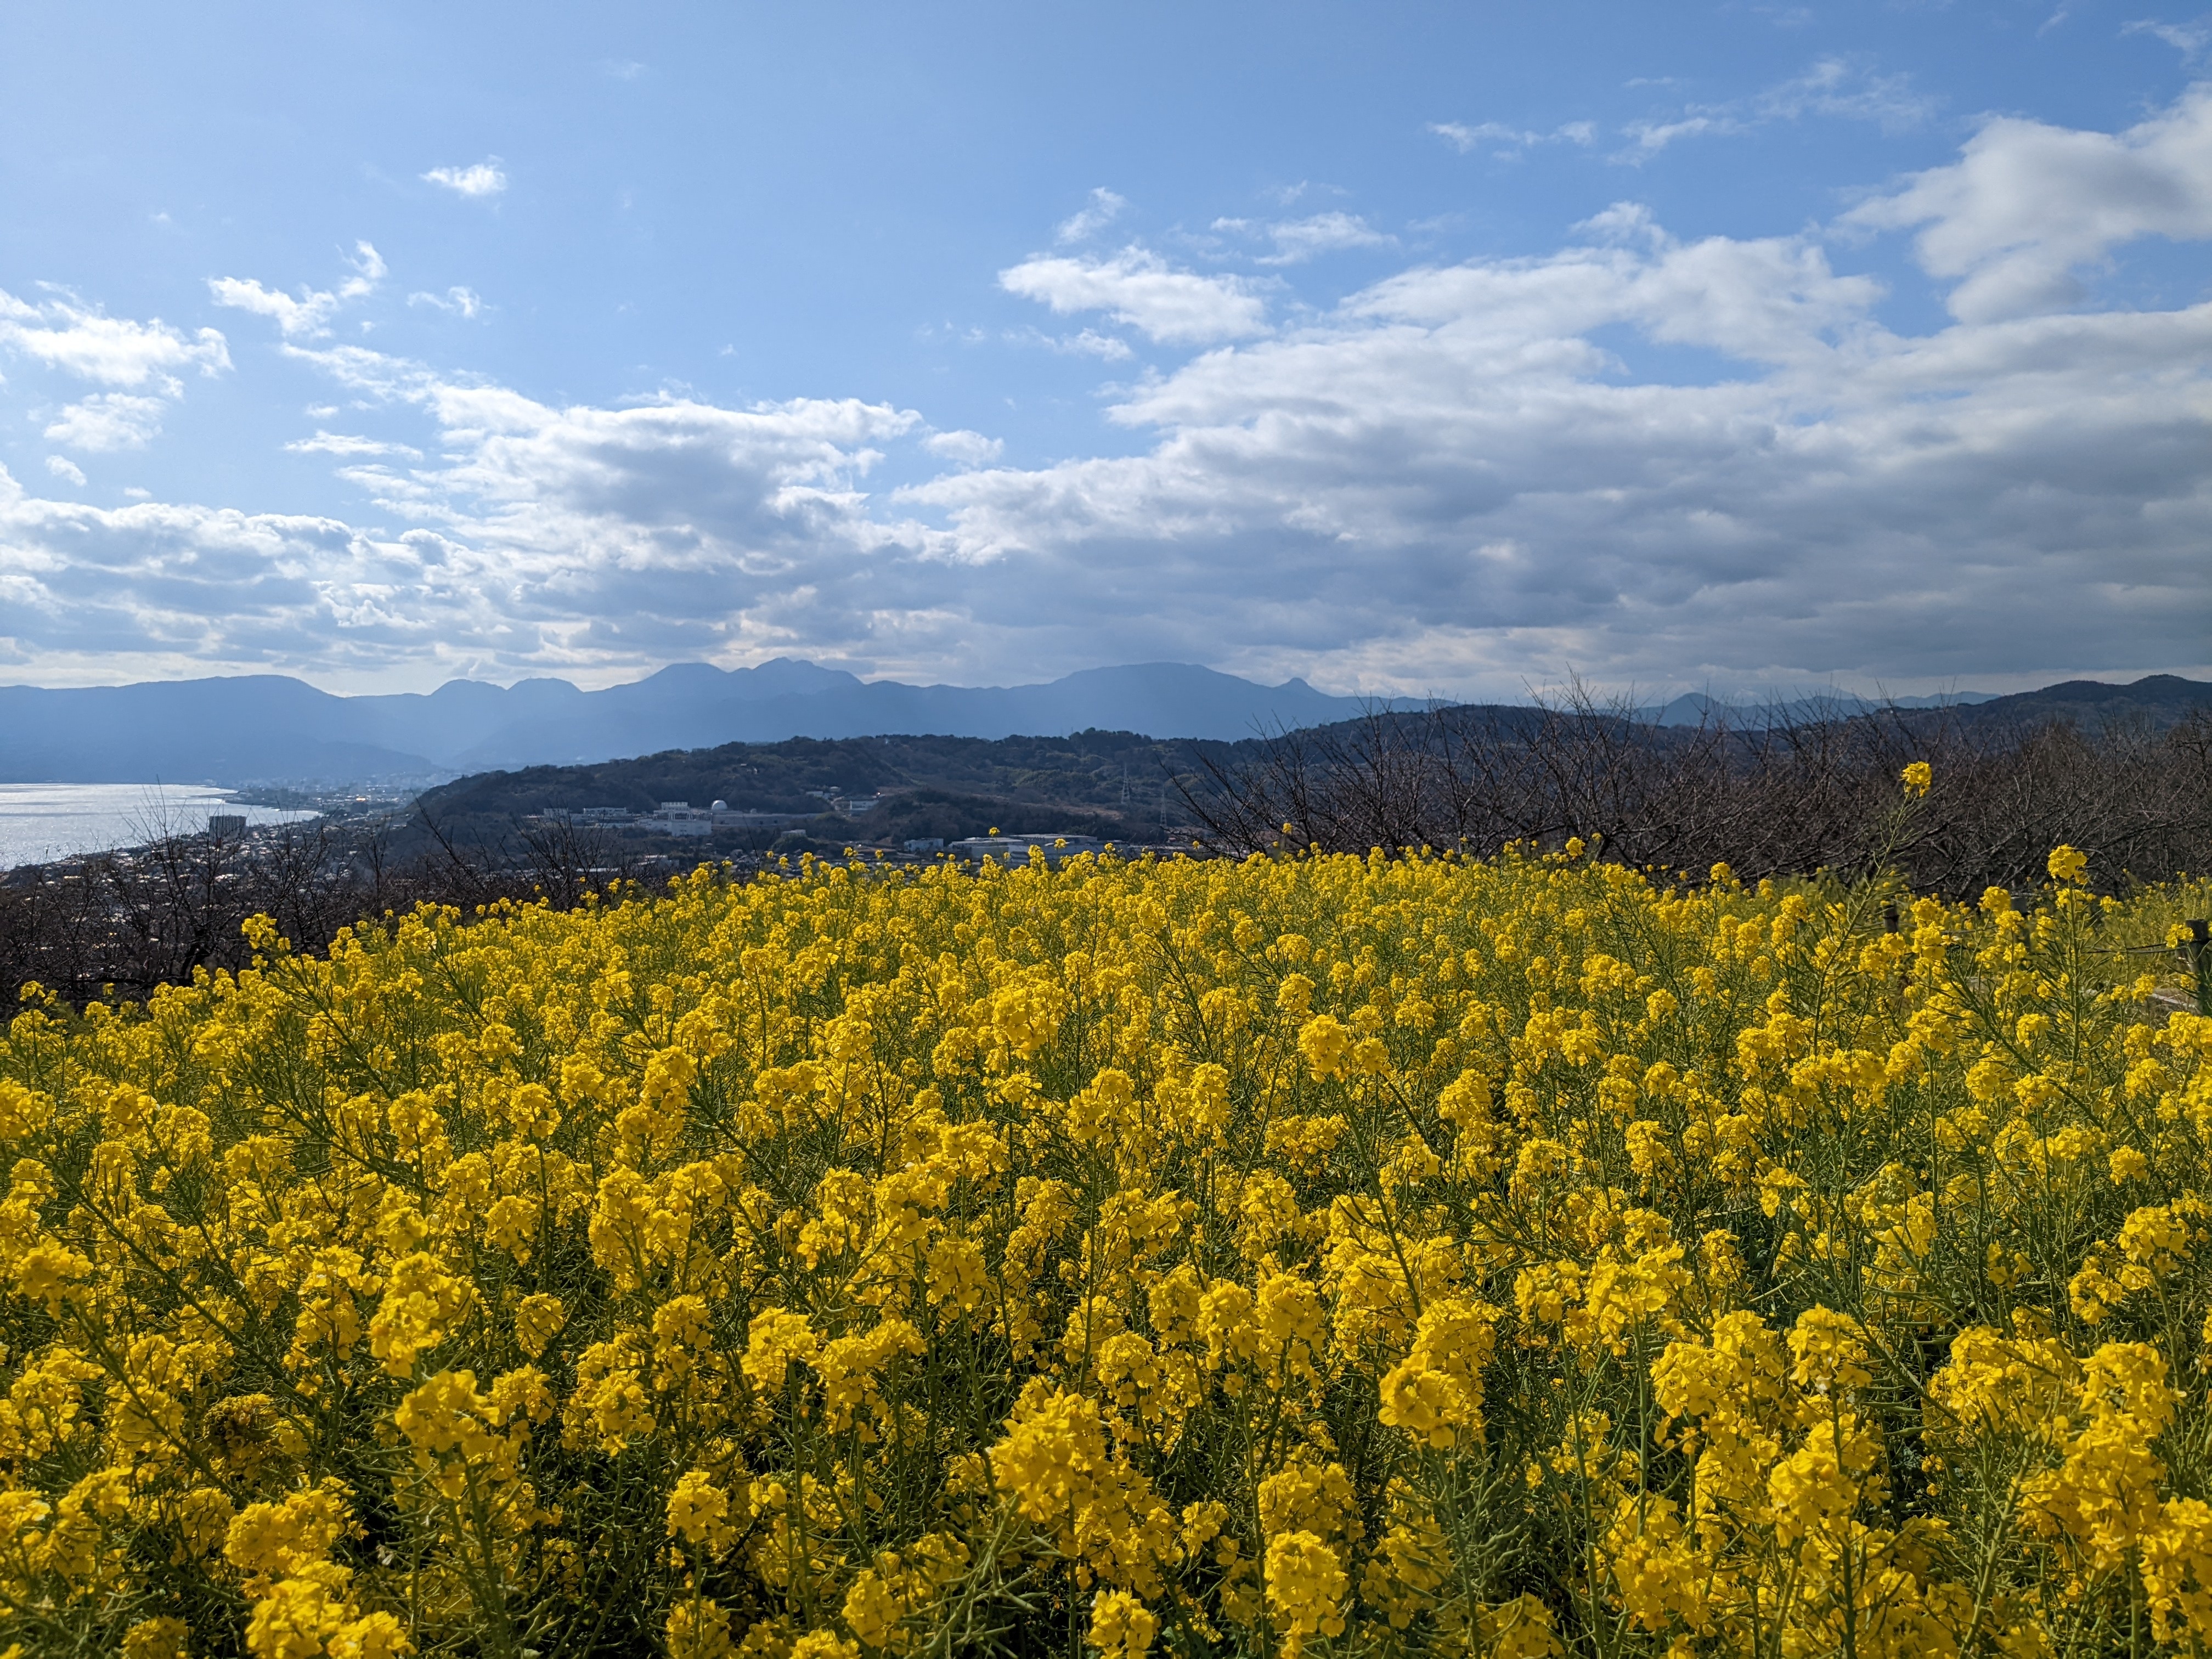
<point>1304,1257</point>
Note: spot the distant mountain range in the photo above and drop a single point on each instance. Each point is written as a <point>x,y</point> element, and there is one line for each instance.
<point>273,729</point>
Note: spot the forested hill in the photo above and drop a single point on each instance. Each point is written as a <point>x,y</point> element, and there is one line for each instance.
<point>2158,701</point>
<point>1115,784</point>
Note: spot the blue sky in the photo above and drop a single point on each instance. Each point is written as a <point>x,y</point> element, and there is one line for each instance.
<point>1416,347</point>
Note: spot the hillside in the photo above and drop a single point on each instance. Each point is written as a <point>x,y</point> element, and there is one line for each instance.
<point>2157,702</point>
<point>1116,785</point>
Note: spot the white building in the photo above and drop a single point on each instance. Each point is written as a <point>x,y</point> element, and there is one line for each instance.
<point>729,817</point>
<point>679,817</point>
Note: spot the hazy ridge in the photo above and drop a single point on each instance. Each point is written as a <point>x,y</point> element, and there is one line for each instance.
<point>258,728</point>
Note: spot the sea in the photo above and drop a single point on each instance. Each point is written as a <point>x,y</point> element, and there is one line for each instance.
<point>43,821</point>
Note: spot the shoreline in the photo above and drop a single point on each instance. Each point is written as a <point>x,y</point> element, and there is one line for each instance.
<point>48,823</point>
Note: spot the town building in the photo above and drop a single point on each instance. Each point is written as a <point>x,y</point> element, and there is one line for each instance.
<point>679,817</point>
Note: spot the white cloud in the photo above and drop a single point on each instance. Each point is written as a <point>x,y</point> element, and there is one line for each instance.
<point>968,448</point>
<point>66,470</point>
<point>1772,300</point>
<point>1083,342</point>
<point>339,443</point>
<point>307,316</point>
<point>63,333</point>
<point>1090,343</point>
<point>1105,207</point>
<point>2190,39</point>
<point>1627,223</point>
<point>109,421</point>
<point>1464,137</point>
<point>1138,288</point>
<point>378,377</point>
<point>1833,87</point>
<point>1652,136</point>
<point>1510,140</point>
<point>454,301</point>
<point>1299,239</point>
<point>481,180</point>
<point>2029,206</point>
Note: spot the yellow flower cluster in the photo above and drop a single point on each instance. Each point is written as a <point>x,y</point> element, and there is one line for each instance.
<point>1317,1255</point>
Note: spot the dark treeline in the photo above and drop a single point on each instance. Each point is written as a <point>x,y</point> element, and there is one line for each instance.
<point>1769,798</point>
<point>118,925</point>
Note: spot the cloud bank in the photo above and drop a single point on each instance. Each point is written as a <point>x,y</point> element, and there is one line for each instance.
<point>1459,478</point>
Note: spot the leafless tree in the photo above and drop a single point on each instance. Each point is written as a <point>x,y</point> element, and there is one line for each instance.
<point>1769,792</point>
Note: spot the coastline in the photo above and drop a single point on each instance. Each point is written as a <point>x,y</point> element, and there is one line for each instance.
<point>48,823</point>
